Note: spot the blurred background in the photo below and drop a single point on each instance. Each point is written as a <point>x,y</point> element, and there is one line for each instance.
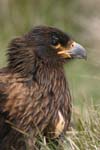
<point>81,19</point>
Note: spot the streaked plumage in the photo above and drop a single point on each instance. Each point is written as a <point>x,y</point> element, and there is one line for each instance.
<point>34,93</point>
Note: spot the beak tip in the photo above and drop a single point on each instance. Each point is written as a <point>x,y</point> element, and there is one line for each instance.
<point>83,54</point>
<point>85,57</point>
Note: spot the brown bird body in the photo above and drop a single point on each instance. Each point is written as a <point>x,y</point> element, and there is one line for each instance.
<point>34,93</point>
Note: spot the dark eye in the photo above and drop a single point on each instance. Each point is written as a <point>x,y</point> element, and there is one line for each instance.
<point>55,40</point>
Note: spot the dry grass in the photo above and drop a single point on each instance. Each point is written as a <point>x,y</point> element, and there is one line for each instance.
<point>84,135</point>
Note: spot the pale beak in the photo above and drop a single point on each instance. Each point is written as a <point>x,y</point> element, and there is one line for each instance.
<point>76,51</point>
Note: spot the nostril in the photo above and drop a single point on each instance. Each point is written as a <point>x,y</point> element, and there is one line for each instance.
<point>73,44</point>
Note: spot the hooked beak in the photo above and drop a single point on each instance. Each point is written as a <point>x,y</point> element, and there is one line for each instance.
<point>76,51</point>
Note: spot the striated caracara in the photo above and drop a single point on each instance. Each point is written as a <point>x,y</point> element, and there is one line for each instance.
<point>34,93</point>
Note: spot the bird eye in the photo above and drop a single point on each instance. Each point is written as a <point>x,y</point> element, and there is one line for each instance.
<point>55,41</point>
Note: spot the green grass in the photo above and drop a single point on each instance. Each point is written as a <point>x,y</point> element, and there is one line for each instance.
<point>18,17</point>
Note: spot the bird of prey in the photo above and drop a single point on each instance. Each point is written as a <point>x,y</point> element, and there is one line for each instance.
<point>34,93</point>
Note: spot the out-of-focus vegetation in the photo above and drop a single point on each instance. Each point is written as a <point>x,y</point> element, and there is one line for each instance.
<point>81,19</point>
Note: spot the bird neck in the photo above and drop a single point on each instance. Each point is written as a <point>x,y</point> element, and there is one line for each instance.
<point>46,74</point>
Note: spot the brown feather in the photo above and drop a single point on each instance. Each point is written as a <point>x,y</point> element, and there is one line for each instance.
<point>32,92</point>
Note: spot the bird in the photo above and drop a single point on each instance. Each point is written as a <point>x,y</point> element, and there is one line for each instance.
<point>34,92</point>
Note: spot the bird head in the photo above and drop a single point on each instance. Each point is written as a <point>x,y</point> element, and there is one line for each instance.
<point>54,45</point>
<point>47,44</point>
